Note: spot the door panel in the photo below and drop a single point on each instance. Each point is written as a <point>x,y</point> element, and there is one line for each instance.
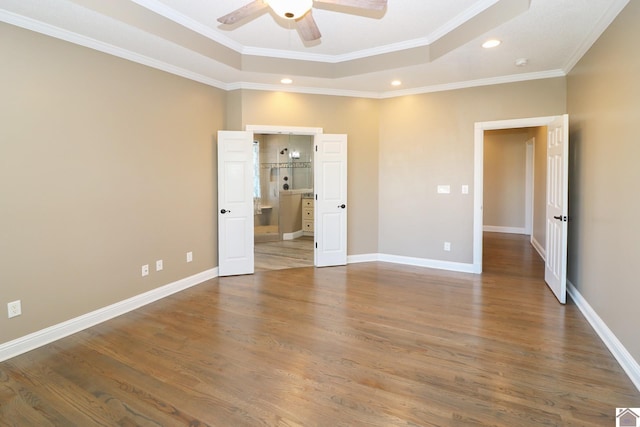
<point>235,203</point>
<point>557,207</point>
<point>331,200</point>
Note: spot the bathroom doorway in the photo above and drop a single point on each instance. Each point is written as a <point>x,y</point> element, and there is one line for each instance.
<point>283,201</point>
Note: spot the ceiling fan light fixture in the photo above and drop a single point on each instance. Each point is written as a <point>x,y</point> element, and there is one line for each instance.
<point>290,9</point>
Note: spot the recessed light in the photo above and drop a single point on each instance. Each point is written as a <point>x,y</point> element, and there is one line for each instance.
<point>286,81</point>
<point>491,43</point>
<point>396,83</point>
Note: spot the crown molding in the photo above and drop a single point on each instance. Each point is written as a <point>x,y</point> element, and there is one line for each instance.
<point>459,20</point>
<point>171,14</point>
<point>304,90</point>
<point>612,12</point>
<point>71,37</point>
<point>512,78</point>
<point>91,43</point>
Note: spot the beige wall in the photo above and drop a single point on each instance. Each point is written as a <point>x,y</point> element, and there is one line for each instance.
<point>356,117</point>
<point>505,155</point>
<point>604,232</point>
<point>427,140</point>
<point>105,165</point>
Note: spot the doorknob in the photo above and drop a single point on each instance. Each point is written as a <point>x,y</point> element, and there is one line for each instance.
<point>560,218</point>
<point>342,206</point>
<point>224,211</point>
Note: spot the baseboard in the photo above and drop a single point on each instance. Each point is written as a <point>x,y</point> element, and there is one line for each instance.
<point>45,336</point>
<point>624,358</point>
<point>418,262</point>
<point>354,259</point>
<point>292,236</point>
<point>538,247</point>
<point>499,229</point>
<point>428,263</point>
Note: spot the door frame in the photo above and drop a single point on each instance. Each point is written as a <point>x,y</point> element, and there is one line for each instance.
<point>287,130</point>
<point>478,174</point>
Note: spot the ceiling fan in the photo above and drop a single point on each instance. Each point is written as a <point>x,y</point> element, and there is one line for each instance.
<point>298,11</point>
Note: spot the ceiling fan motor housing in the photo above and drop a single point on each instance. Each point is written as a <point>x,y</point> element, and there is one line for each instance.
<point>290,9</point>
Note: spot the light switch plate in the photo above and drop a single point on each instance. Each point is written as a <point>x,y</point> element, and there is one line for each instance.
<point>444,189</point>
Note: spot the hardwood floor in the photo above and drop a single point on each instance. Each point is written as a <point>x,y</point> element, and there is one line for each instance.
<point>373,344</point>
<point>282,254</point>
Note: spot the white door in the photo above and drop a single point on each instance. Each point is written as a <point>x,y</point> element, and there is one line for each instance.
<point>235,203</point>
<point>555,273</point>
<point>330,183</point>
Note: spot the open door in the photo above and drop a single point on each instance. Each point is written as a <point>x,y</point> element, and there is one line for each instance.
<point>330,185</point>
<point>555,273</point>
<point>235,203</point>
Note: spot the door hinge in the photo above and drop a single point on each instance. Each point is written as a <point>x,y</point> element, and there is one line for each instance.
<point>316,148</point>
<point>316,245</point>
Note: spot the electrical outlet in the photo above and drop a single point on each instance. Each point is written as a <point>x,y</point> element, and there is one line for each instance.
<point>14,309</point>
<point>145,270</point>
<point>447,246</point>
<point>159,265</point>
<point>189,256</point>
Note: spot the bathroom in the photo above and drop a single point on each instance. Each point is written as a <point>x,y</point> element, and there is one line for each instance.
<point>283,187</point>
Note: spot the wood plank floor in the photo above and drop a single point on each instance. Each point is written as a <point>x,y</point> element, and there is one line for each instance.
<point>371,344</point>
<point>283,254</point>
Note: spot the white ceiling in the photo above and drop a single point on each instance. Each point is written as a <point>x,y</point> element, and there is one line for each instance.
<point>429,45</point>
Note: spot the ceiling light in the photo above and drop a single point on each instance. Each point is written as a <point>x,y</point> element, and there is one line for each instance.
<point>396,83</point>
<point>290,9</point>
<point>491,43</point>
<point>286,81</point>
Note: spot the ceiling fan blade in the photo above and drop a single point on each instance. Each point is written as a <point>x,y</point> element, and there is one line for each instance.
<point>244,12</point>
<point>307,28</point>
<point>360,4</point>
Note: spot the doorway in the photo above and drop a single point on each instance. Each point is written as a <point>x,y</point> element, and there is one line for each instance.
<point>509,180</point>
<point>479,151</point>
<point>283,201</point>
<point>555,195</point>
<point>236,197</point>
<point>509,205</point>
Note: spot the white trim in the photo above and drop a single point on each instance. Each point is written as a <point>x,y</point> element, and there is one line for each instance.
<point>478,173</point>
<point>596,31</point>
<point>355,259</point>
<point>512,78</point>
<point>539,248</point>
<point>45,336</point>
<point>291,130</point>
<point>292,236</point>
<point>175,16</point>
<point>428,263</point>
<point>62,34</point>
<point>501,229</point>
<point>418,262</point>
<point>478,194</point>
<point>187,22</point>
<point>622,355</point>
<point>302,89</point>
<point>71,37</point>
